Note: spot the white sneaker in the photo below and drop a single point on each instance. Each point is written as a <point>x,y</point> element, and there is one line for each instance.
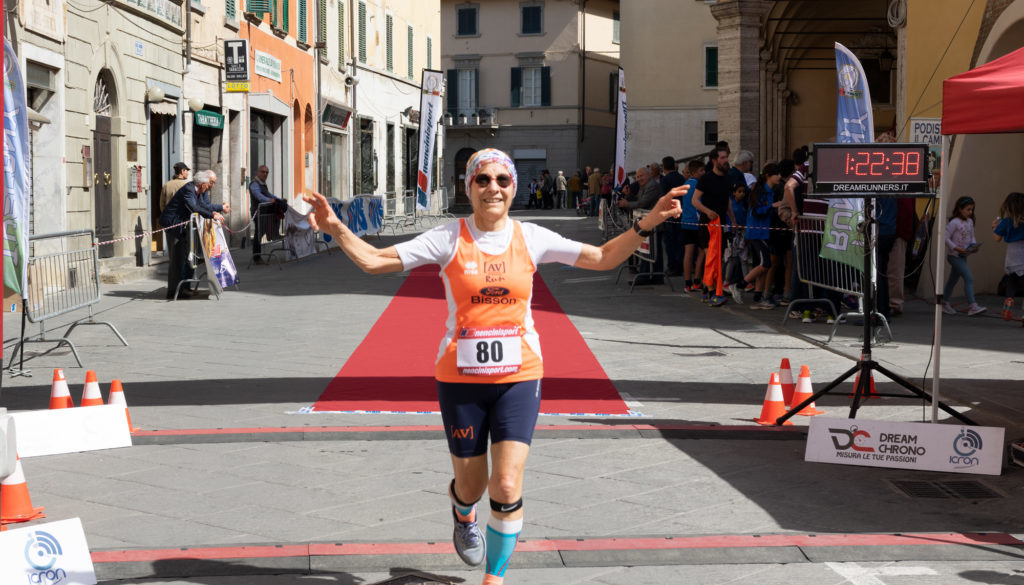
<point>976,309</point>
<point>737,294</point>
<point>948,309</point>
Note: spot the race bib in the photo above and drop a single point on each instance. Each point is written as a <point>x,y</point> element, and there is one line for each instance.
<point>489,351</point>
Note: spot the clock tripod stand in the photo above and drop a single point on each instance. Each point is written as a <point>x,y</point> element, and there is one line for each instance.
<point>866,365</point>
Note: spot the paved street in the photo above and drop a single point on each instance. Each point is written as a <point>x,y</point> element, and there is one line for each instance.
<point>691,491</point>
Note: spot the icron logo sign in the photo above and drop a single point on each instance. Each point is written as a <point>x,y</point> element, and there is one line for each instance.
<point>851,438</point>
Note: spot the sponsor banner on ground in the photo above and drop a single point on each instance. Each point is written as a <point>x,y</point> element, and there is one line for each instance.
<point>220,266</point>
<point>430,110</point>
<point>55,552</point>
<point>905,445</point>
<point>71,430</point>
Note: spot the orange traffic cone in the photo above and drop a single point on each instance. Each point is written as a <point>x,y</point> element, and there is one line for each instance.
<point>91,394</point>
<point>15,503</point>
<point>872,393</point>
<point>60,396</point>
<point>116,396</point>
<point>774,406</point>
<point>803,392</point>
<point>786,379</point>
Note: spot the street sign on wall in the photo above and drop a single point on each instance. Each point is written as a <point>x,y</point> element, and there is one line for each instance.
<point>236,60</point>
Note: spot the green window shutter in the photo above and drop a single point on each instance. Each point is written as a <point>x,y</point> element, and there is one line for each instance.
<point>285,14</point>
<point>257,6</point>
<point>389,43</point>
<point>229,9</point>
<point>410,55</point>
<point>545,86</point>
<point>517,86</point>
<point>362,32</point>
<point>303,17</point>
<point>452,89</point>
<point>710,66</point>
<point>341,36</point>
<point>613,89</point>
<point>430,53</point>
<point>274,13</point>
<point>321,27</point>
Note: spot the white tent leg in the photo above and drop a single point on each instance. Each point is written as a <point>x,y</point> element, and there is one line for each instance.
<point>939,243</point>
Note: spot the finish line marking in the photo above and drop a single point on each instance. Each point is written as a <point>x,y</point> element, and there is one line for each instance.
<point>738,541</point>
<point>438,428</point>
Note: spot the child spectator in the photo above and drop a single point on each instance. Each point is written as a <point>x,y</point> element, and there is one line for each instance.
<point>693,256</point>
<point>960,243</point>
<point>737,256</point>
<point>1009,228</point>
<point>759,214</point>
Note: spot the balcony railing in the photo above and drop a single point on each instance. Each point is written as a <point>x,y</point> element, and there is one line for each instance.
<point>483,118</point>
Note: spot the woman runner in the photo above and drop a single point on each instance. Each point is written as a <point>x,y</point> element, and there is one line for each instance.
<point>489,363</point>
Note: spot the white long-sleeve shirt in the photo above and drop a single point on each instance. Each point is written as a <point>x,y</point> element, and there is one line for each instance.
<point>959,234</point>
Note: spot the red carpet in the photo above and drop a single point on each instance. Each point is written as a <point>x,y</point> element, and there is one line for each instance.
<point>392,370</point>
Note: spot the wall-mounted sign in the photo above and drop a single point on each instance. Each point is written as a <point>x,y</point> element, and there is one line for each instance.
<point>236,59</point>
<point>337,117</point>
<point>164,10</point>
<point>236,86</point>
<point>267,65</point>
<point>209,119</point>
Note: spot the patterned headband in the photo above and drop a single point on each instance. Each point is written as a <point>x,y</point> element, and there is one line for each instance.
<point>485,157</point>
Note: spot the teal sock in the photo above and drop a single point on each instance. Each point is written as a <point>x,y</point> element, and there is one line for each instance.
<point>501,539</point>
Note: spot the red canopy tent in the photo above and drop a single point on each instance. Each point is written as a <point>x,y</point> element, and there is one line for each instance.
<point>986,100</point>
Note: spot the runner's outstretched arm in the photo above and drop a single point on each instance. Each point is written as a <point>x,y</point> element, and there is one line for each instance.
<point>368,258</point>
<point>615,251</point>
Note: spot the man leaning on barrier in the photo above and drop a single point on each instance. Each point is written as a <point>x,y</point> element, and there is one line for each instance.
<point>193,197</point>
<point>264,216</point>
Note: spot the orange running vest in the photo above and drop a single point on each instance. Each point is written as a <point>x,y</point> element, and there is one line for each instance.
<point>490,297</point>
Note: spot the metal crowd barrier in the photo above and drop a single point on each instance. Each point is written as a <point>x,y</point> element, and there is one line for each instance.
<point>647,258</point>
<point>825,273</point>
<point>269,229</point>
<point>62,279</point>
<point>196,260</point>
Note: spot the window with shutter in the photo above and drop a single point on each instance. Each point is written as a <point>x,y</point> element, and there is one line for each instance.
<point>615,27</point>
<point>285,15</point>
<point>341,36</point>
<point>430,53</point>
<point>531,86</point>
<point>517,87</point>
<point>452,90</point>
<point>409,53</point>
<point>257,6</point>
<point>362,32</point>
<point>389,43</point>
<point>275,16</point>
<point>710,66</point>
<point>531,18</point>
<point>229,9</point>
<point>466,20</point>
<point>321,27</point>
<point>303,17</point>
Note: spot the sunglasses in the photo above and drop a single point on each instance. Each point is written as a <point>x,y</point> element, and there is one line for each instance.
<point>485,180</point>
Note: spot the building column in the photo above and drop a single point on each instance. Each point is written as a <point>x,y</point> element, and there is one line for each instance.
<point>767,126</point>
<point>782,94</point>
<point>739,77</point>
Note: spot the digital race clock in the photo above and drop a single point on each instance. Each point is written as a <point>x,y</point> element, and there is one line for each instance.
<point>883,169</point>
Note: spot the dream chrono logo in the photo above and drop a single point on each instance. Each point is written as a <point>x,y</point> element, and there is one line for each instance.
<point>42,552</point>
<point>852,438</point>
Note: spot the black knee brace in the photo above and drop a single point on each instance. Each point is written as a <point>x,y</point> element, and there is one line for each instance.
<point>455,496</point>
<point>506,508</point>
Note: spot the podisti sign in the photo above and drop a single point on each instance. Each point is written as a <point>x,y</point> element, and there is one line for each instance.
<point>932,447</point>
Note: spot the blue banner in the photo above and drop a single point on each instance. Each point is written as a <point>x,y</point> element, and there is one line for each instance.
<point>16,153</point>
<point>854,123</point>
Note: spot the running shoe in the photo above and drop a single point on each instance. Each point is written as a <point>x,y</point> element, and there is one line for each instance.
<point>796,314</point>
<point>737,294</point>
<point>749,288</point>
<point>469,541</point>
<point>948,309</point>
<point>831,319</point>
<point>808,317</point>
<point>975,309</point>
<point>704,297</point>
<point>762,306</point>
<point>1007,312</point>
<point>717,300</point>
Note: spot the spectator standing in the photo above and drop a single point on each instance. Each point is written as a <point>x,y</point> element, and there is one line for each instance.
<point>741,167</point>
<point>575,183</point>
<point>193,197</point>
<point>1009,228</point>
<point>711,199</point>
<point>672,230</point>
<point>594,190</point>
<point>177,182</point>
<point>547,189</point>
<point>531,193</point>
<point>898,256</point>
<point>780,241</point>
<point>693,255</point>
<point>960,244</point>
<point>561,189</point>
<point>759,212</point>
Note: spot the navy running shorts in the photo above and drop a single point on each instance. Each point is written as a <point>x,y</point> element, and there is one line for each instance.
<point>473,412</point>
<point>759,255</point>
<point>690,236</point>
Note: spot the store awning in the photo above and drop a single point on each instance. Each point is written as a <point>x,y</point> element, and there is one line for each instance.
<point>163,108</point>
